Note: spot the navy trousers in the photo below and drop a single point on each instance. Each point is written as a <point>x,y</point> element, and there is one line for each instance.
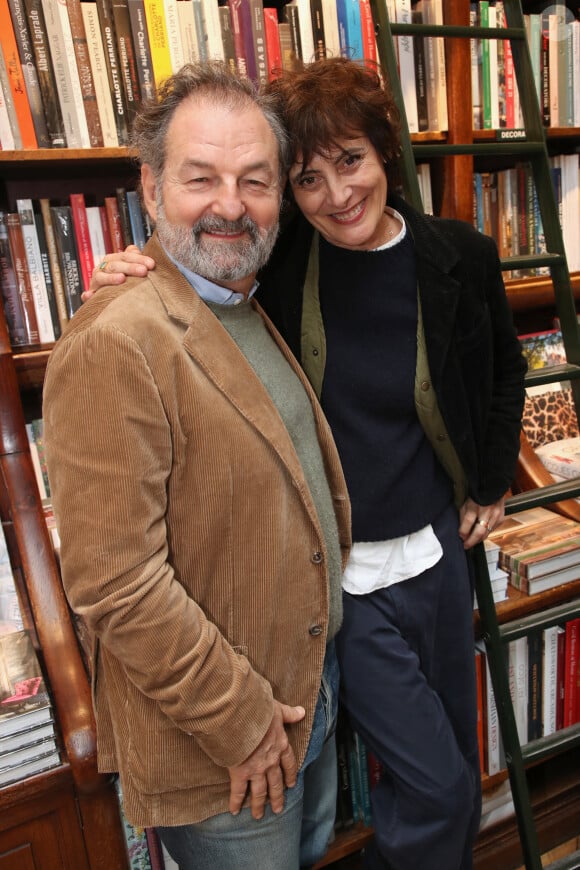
<point>408,682</point>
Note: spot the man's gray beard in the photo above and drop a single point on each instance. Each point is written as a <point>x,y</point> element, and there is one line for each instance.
<point>217,261</point>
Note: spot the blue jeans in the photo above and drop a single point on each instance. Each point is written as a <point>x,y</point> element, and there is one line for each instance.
<point>296,837</point>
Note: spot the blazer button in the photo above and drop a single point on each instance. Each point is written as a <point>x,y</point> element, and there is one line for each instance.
<point>314,351</point>
<point>315,630</point>
<point>425,385</point>
<point>317,558</point>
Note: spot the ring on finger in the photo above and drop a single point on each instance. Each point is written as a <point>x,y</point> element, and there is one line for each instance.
<point>103,265</point>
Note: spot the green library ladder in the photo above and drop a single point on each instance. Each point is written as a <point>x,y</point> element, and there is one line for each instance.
<point>532,148</point>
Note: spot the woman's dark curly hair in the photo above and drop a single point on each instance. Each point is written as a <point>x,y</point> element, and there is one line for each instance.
<point>336,98</point>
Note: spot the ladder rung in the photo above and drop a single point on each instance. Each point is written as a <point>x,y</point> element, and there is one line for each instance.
<point>519,148</point>
<point>526,261</point>
<point>458,30</point>
<point>552,374</point>
<point>544,495</point>
<point>540,619</point>
<point>568,862</point>
<point>553,743</point>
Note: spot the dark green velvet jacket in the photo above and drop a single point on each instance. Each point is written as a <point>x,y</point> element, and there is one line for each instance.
<point>469,389</point>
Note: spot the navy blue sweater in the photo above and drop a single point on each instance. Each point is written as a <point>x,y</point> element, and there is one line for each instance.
<point>369,308</point>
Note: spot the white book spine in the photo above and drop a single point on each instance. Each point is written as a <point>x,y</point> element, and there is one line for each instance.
<point>407,66</point>
<point>34,260</point>
<point>188,31</point>
<point>549,680</point>
<point>66,74</point>
<point>211,18</point>
<point>98,63</point>
<point>173,34</point>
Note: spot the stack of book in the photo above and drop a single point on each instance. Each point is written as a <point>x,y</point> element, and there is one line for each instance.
<point>27,737</point>
<point>539,549</point>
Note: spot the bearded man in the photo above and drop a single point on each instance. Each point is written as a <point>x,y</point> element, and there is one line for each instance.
<point>202,510</point>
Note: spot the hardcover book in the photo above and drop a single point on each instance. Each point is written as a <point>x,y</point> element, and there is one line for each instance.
<point>45,72</point>
<point>10,294</point>
<point>20,264</point>
<point>68,256</point>
<point>15,77</point>
<point>29,71</point>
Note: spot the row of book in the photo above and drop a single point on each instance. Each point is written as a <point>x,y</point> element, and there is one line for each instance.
<point>48,253</point>
<point>73,74</point>
<point>506,208</point>
<point>554,44</point>
<point>544,673</point>
<point>421,63</point>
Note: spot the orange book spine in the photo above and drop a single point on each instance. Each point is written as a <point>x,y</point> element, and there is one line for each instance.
<point>17,84</point>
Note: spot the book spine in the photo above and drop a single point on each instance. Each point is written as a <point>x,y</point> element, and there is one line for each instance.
<point>330,21</point>
<point>114,221</point>
<point>45,71</point>
<point>9,130</point>
<point>113,69</point>
<point>420,78</point>
<point>29,71</point>
<point>86,82</point>
<point>535,712</point>
<point>124,217</point>
<point>173,34</point>
<point>407,66</point>
<point>211,19</point>
<point>549,679</point>
<point>105,230</point>
<point>318,34</point>
<point>570,673</point>
<point>69,263</point>
<point>63,317</point>
<point>20,262</point>
<point>98,62</point>
<point>235,7</point>
<point>16,78</point>
<point>82,237</point>
<point>246,17</point>
<point>143,48</point>
<point>259,40</point>
<point>228,37</point>
<point>189,32</point>
<point>35,270</point>
<point>127,58</point>
<point>158,40</point>
<point>95,229</point>
<point>10,296</point>
<point>273,48</point>
<point>290,13</point>
<point>136,218</point>
<point>66,74</point>
<point>48,282</point>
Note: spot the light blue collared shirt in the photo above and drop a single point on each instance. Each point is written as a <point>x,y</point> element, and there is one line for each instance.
<point>207,290</point>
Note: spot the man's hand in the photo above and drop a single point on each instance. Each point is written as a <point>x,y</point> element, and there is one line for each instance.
<point>477,521</point>
<point>114,268</point>
<point>269,769</point>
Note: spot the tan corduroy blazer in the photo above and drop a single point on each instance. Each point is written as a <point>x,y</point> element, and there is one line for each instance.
<point>190,542</point>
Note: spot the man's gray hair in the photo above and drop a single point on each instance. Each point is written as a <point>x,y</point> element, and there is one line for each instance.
<point>212,80</point>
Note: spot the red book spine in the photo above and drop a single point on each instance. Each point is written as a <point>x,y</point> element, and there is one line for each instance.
<point>273,49</point>
<point>114,219</point>
<point>368,30</point>
<point>571,671</point>
<point>106,229</point>
<point>83,238</point>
